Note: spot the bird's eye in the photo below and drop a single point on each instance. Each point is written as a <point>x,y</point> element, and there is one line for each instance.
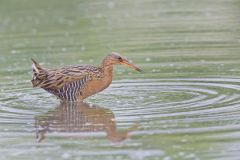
<point>120,59</point>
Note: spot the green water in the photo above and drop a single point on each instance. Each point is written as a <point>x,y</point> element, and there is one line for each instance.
<point>186,104</point>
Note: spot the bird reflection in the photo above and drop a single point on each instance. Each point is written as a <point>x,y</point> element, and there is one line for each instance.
<point>80,117</point>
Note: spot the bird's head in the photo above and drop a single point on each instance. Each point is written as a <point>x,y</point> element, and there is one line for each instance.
<point>116,59</point>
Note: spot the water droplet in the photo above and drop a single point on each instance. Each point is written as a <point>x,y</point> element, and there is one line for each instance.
<point>70,23</point>
<point>99,15</point>
<point>190,156</point>
<point>13,51</point>
<point>61,20</point>
<point>82,48</point>
<point>64,49</point>
<point>34,30</point>
<point>152,96</point>
<point>148,59</point>
<point>184,140</point>
<point>111,5</point>
<point>167,158</point>
<point>66,155</point>
<point>66,34</point>
<point>181,153</point>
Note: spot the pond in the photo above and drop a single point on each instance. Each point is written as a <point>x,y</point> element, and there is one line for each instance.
<point>185,105</point>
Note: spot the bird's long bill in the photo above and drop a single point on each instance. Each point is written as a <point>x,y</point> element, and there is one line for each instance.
<point>128,64</point>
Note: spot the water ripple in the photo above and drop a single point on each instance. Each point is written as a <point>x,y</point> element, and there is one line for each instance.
<point>179,104</point>
<point>182,107</point>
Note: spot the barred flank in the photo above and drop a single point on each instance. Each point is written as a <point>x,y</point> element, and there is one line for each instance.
<point>69,92</point>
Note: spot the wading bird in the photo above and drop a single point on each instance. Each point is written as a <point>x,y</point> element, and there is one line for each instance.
<point>75,83</point>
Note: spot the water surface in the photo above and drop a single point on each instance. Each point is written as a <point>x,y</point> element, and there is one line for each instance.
<point>186,104</point>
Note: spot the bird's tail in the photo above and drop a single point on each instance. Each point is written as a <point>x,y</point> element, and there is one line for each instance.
<point>39,74</point>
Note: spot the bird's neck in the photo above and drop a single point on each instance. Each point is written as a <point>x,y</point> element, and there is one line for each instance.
<point>107,68</point>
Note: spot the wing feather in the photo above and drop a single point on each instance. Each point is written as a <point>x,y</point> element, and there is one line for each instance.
<point>60,77</point>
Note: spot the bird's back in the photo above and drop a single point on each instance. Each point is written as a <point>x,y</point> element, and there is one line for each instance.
<point>67,83</point>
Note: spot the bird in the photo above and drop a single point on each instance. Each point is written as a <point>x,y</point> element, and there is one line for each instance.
<point>75,83</point>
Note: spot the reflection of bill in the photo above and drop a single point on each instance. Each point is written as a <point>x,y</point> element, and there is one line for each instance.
<point>80,117</point>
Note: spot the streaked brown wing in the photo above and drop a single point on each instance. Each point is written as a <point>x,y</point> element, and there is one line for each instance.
<point>59,77</point>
